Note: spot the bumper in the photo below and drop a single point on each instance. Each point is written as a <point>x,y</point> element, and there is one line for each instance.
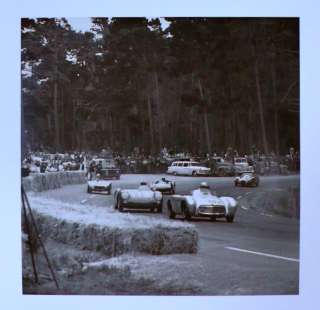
<point>101,189</point>
<point>218,211</point>
<point>204,173</point>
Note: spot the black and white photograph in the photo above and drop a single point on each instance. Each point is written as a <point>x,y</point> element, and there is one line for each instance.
<point>160,156</point>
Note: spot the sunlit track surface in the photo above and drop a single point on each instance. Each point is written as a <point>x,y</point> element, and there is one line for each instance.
<point>225,271</point>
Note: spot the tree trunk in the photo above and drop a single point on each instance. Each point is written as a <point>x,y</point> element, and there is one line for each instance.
<point>275,105</point>
<point>56,117</point>
<point>111,130</point>
<point>62,131</point>
<point>158,105</point>
<point>128,138</point>
<point>250,127</point>
<point>205,119</point>
<point>74,143</point>
<point>55,97</point>
<point>259,98</point>
<point>150,125</point>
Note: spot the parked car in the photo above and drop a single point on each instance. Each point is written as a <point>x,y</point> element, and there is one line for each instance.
<point>99,185</point>
<point>71,166</point>
<point>107,168</point>
<point>247,179</point>
<point>164,186</point>
<point>221,167</point>
<point>241,165</point>
<point>52,168</point>
<point>141,198</point>
<point>202,203</point>
<point>188,168</point>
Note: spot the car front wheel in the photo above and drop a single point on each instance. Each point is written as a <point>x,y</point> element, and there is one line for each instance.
<point>229,218</point>
<point>172,214</point>
<point>186,214</point>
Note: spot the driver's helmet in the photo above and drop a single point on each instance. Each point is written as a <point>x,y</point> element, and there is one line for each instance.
<point>204,185</point>
<point>163,179</point>
<point>143,183</point>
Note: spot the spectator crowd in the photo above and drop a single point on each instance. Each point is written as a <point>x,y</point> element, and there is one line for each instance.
<point>139,162</point>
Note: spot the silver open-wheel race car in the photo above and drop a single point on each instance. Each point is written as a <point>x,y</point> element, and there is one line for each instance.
<point>202,203</point>
<point>247,179</point>
<point>141,198</point>
<point>164,186</point>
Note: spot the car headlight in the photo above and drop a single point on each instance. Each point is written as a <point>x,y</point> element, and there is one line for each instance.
<point>158,196</point>
<point>125,195</point>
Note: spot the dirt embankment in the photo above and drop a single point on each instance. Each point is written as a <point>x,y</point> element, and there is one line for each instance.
<point>284,201</point>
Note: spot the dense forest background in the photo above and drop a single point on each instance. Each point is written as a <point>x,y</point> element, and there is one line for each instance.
<point>200,85</point>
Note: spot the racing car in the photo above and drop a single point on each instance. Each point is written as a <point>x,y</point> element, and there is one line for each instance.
<point>99,185</point>
<point>141,198</point>
<point>247,179</point>
<point>202,203</point>
<point>164,186</point>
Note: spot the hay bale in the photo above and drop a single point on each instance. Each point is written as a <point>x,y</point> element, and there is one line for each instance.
<point>112,233</point>
<point>45,181</point>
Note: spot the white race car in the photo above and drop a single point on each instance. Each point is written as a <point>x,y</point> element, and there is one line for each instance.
<point>247,179</point>
<point>164,186</point>
<point>202,203</point>
<point>99,186</point>
<point>141,198</point>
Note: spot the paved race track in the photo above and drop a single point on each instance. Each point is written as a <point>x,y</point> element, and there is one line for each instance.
<point>257,254</point>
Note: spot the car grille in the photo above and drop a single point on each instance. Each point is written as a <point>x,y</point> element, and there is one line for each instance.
<point>100,188</point>
<point>212,209</point>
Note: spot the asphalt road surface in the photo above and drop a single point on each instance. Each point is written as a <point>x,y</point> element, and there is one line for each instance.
<point>257,254</point>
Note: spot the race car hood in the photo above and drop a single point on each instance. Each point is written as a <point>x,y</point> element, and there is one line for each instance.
<point>206,198</point>
<point>246,178</point>
<point>162,185</point>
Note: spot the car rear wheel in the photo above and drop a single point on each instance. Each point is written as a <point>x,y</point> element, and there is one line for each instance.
<point>186,213</point>
<point>243,183</point>
<point>236,183</point>
<point>172,214</point>
<point>194,173</point>
<point>119,206</point>
<point>89,190</point>
<point>229,218</point>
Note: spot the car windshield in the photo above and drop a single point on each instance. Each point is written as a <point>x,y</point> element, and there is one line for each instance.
<point>102,163</point>
<point>205,191</point>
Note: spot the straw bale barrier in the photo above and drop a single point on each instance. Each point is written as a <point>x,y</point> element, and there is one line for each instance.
<point>110,232</point>
<point>45,181</point>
